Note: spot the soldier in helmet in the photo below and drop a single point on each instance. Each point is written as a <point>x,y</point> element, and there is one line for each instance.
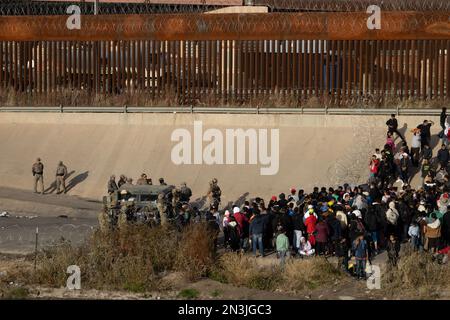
<point>162,209</point>
<point>38,174</point>
<point>214,192</point>
<point>185,193</point>
<point>61,174</point>
<point>162,182</point>
<point>112,186</point>
<point>142,180</point>
<point>175,198</point>
<point>122,180</point>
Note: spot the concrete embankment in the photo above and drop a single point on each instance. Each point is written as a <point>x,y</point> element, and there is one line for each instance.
<point>314,150</point>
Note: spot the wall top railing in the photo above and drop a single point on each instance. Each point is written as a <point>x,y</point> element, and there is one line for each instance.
<point>227,110</point>
<point>395,25</point>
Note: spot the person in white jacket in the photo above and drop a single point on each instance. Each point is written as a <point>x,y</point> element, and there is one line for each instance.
<point>305,248</point>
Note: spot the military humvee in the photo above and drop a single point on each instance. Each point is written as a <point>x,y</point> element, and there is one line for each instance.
<point>136,202</point>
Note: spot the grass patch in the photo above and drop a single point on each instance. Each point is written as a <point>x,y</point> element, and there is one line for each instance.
<point>241,270</point>
<point>216,293</point>
<point>14,292</point>
<point>309,274</point>
<point>189,294</point>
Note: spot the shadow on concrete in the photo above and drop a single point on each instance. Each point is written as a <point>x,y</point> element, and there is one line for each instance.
<point>76,180</point>
<point>52,187</point>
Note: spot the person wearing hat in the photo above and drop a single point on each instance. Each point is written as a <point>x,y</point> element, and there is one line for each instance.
<point>38,175</point>
<point>293,196</point>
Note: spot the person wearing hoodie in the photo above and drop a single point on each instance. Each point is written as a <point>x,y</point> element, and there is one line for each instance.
<point>356,225</point>
<point>310,220</point>
<point>392,216</point>
<point>432,233</point>
<point>306,248</point>
<point>243,224</point>
<point>371,223</point>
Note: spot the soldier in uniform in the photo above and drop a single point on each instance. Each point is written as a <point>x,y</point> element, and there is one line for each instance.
<point>142,180</point>
<point>61,173</point>
<point>112,186</point>
<point>162,209</point>
<point>38,174</point>
<point>185,193</point>
<point>214,192</point>
<point>122,180</point>
<point>175,198</point>
<point>162,182</point>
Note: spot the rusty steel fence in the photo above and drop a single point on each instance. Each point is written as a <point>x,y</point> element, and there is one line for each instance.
<point>289,58</point>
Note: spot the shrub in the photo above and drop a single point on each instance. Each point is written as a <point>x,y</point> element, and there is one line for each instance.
<point>129,259</point>
<point>416,275</point>
<point>196,254</point>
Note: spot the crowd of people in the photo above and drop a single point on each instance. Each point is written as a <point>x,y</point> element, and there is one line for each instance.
<point>357,223</point>
<point>353,223</point>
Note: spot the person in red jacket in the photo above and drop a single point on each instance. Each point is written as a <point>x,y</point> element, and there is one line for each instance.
<point>322,233</point>
<point>374,165</point>
<point>310,220</point>
<point>243,225</point>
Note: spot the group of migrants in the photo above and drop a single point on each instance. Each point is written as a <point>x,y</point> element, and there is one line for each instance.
<point>353,223</point>
<point>37,170</point>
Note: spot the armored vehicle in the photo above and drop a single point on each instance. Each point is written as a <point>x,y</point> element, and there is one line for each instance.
<point>134,203</point>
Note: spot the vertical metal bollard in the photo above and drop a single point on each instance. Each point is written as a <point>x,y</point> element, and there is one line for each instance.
<point>36,248</point>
